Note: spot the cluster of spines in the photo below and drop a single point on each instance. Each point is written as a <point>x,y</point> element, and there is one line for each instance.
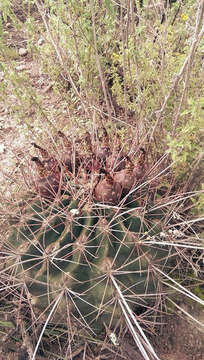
<point>63,246</point>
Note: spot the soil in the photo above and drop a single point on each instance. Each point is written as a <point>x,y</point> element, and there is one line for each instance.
<point>177,338</point>
<point>180,339</point>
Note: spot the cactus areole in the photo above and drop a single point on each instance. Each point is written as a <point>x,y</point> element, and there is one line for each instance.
<point>68,248</point>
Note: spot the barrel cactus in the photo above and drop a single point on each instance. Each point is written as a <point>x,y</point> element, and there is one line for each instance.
<point>75,241</point>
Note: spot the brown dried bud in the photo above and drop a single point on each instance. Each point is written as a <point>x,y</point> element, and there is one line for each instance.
<point>47,184</point>
<point>103,148</point>
<point>126,177</point>
<point>44,153</point>
<point>108,191</point>
<point>115,162</point>
<point>140,167</point>
<point>42,171</point>
<point>92,165</point>
<point>48,187</point>
<point>70,159</point>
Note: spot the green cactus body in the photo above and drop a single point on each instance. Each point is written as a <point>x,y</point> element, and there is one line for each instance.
<point>64,250</point>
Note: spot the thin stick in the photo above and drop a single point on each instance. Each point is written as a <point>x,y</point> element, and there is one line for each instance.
<point>57,50</point>
<point>186,66</point>
<point>46,322</point>
<point>127,312</point>
<point>98,61</point>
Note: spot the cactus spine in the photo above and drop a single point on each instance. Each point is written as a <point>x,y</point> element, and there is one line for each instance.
<point>82,230</point>
<point>74,252</point>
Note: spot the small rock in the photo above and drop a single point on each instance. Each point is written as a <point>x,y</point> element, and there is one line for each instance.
<point>2,148</point>
<point>22,52</point>
<point>40,41</point>
<point>9,25</point>
<point>45,90</point>
<point>21,67</point>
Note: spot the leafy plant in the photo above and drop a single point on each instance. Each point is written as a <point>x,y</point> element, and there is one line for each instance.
<point>187,146</point>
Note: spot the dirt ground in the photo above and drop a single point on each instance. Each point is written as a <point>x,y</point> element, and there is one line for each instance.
<point>178,338</point>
